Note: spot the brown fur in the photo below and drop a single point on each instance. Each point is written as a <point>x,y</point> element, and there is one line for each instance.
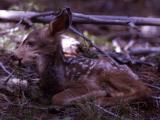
<point>73,79</point>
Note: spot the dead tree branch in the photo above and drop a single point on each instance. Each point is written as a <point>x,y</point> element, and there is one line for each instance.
<point>46,17</point>
<point>141,51</point>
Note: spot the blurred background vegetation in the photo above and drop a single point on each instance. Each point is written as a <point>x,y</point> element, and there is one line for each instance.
<point>109,7</point>
<point>146,8</point>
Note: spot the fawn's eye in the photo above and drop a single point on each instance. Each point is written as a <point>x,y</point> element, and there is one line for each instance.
<point>30,43</point>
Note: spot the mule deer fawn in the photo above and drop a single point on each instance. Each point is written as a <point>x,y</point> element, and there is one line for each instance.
<point>77,78</point>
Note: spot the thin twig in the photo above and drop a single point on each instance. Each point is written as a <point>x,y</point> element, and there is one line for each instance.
<point>155,97</point>
<point>140,51</point>
<point>4,69</point>
<point>91,44</point>
<point>5,98</point>
<point>152,86</point>
<point>110,113</point>
<point>7,79</point>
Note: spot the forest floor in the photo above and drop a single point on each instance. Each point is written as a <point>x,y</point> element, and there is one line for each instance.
<point>138,48</point>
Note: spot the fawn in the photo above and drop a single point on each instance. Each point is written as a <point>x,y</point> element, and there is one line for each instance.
<point>77,78</point>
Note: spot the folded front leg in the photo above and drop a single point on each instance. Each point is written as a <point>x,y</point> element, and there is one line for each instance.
<point>125,88</point>
<point>73,95</point>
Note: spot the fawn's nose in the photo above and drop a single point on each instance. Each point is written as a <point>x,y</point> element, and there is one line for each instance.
<point>17,59</point>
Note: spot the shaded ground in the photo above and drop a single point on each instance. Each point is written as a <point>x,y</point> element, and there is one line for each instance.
<point>20,98</point>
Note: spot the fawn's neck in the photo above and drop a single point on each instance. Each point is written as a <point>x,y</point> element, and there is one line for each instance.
<point>51,68</point>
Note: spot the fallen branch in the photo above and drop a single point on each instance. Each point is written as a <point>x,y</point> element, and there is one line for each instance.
<point>46,17</point>
<point>142,51</point>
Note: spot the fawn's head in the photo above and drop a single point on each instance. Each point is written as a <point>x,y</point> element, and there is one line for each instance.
<point>43,41</point>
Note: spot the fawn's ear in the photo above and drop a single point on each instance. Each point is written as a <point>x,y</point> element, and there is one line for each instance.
<point>61,22</point>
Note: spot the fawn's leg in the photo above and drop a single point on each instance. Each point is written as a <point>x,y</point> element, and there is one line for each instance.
<point>76,94</point>
<point>125,87</point>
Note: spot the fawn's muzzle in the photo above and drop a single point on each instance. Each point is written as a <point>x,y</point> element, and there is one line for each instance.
<point>16,59</point>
